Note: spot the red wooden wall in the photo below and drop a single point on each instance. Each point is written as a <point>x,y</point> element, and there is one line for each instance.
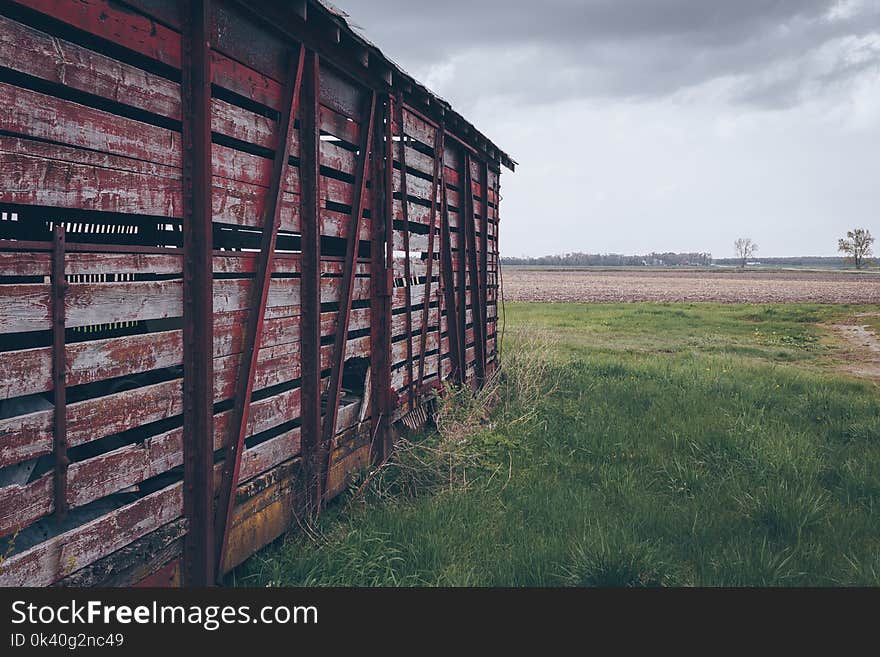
<point>92,139</point>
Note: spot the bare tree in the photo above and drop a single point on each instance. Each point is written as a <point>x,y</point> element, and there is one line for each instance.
<point>856,246</point>
<point>745,249</point>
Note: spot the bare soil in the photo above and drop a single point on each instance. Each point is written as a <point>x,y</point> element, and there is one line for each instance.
<point>863,347</point>
<point>570,285</point>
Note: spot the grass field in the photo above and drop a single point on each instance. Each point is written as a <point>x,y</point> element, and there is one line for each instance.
<point>635,444</point>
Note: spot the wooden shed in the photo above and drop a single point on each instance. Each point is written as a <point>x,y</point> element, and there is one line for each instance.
<point>237,244</point>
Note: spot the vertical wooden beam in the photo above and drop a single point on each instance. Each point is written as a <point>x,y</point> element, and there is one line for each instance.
<point>378,296</point>
<point>244,384</point>
<point>437,180</point>
<point>340,340</point>
<point>447,284</point>
<point>461,273</point>
<point>198,311</point>
<point>59,376</point>
<point>310,281</point>
<point>387,184</point>
<point>470,238</point>
<point>484,246</point>
<point>496,257</point>
<point>407,269</point>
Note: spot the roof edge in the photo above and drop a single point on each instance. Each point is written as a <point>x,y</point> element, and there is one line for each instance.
<point>400,81</point>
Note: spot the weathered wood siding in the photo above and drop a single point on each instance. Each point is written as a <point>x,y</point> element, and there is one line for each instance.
<point>90,138</point>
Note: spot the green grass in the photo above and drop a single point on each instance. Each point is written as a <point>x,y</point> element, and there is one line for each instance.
<point>673,445</point>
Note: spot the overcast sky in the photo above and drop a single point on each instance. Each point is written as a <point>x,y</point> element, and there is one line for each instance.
<point>659,125</point>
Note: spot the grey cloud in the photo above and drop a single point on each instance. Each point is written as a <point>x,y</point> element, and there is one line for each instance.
<point>622,48</point>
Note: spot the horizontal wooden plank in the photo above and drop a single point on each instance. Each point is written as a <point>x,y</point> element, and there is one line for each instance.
<point>62,62</point>
<point>98,263</point>
<point>400,375</point>
<point>398,321</point>
<point>418,128</point>
<point>38,115</point>
<point>340,95</point>
<point>26,306</point>
<point>416,242</point>
<point>415,160</point>
<point>416,213</point>
<point>339,125</point>
<point>86,186</point>
<point>417,266</point>
<point>419,187</point>
<point>399,348</point>
<point>29,436</point>
<point>51,560</point>
<point>92,479</point>
<point>30,370</point>
<point>119,25</point>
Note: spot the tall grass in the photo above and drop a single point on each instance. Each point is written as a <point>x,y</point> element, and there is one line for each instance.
<point>608,454</point>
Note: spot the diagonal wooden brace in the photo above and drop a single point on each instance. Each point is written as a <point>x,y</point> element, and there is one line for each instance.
<point>438,179</point>
<point>328,429</point>
<point>257,309</point>
<point>407,270</point>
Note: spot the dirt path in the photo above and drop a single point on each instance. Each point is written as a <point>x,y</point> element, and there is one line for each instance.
<point>863,344</point>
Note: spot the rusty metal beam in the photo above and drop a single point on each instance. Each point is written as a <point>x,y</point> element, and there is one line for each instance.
<point>198,310</point>
<point>345,295</point>
<point>244,384</point>
<point>59,377</point>
<point>472,265</point>
<point>407,271</point>
<point>438,179</point>
<point>310,281</point>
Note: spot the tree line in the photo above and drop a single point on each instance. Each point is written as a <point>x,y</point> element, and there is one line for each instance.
<point>856,247</point>
<point>614,260</point>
